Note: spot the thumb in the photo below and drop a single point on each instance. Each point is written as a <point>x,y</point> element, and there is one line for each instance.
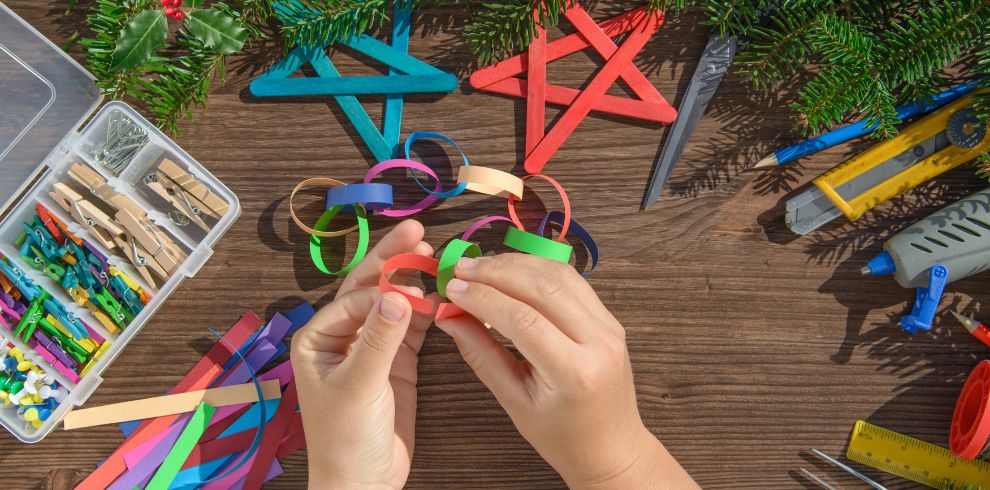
<point>379,339</point>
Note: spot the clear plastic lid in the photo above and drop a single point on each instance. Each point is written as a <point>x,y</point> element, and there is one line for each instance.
<point>44,96</point>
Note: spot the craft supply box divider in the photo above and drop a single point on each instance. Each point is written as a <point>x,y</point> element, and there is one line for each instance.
<point>44,97</point>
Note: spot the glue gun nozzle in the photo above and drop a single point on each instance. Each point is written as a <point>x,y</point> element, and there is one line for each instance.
<point>866,271</point>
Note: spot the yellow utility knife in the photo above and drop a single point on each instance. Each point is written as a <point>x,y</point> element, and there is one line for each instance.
<point>941,141</point>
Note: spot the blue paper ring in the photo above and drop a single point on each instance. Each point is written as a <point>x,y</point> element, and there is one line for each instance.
<point>418,135</point>
<point>375,195</point>
<point>578,230</point>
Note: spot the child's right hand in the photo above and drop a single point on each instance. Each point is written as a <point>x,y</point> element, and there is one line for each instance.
<point>572,397</point>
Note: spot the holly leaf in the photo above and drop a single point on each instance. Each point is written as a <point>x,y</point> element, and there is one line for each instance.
<point>217,30</point>
<point>139,40</point>
<point>194,3</point>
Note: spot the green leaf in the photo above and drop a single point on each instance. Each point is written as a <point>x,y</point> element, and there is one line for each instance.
<point>139,39</point>
<point>194,4</point>
<point>217,30</point>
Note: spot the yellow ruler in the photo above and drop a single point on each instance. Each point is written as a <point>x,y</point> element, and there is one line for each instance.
<point>914,459</point>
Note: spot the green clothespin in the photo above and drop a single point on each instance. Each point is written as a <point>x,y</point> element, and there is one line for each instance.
<point>30,318</point>
<point>119,315</point>
<point>68,345</point>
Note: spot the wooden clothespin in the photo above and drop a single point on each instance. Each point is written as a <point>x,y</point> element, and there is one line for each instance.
<point>214,205</point>
<point>101,226</point>
<point>189,206</point>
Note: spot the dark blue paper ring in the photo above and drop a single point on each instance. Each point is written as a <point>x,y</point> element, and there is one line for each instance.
<point>418,135</point>
<point>578,230</point>
<point>375,195</point>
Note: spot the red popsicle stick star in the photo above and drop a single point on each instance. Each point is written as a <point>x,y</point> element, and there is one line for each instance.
<point>541,144</point>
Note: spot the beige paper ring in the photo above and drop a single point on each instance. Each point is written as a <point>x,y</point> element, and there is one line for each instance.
<point>490,181</point>
<point>317,181</point>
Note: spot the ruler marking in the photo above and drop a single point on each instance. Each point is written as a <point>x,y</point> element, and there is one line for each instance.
<point>914,459</point>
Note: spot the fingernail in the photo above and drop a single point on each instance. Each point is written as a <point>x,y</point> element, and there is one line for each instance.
<point>457,285</point>
<point>391,309</point>
<point>465,263</point>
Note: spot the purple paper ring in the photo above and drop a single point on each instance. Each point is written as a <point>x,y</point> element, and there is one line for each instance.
<point>403,163</point>
<point>482,222</point>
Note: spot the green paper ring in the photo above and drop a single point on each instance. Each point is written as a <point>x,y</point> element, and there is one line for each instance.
<point>316,253</point>
<point>453,252</point>
<point>525,241</point>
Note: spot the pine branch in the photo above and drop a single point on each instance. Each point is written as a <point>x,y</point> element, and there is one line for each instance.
<point>734,17</point>
<point>926,42</point>
<point>181,83</point>
<point>776,51</point>
<point>320,22</point>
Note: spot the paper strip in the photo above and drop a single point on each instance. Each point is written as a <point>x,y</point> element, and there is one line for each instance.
<point>374,195</point>
<point>207,369</point>
<point>448,260</point>
<point>142,471</point>
<point>534,244</point>
<point>418,135</point>
<point>576,229</point>
<point>563,197</point>
<point>491,181</point>
<point>316,181</point>
<point>183,446</point>
<point>315,242</point>
<point>402,163</point>
<point>420,263</point>
<point>168,405</point>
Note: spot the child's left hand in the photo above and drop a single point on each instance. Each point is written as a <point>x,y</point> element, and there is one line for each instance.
<point>355,370</point>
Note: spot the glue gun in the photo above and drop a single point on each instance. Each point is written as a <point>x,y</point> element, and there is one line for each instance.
<point>952,243</point>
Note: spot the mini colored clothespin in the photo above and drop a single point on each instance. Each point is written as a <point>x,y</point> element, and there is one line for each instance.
<point>142,294</point>
<point>127,296</point>
<point>29,320</point>
<point>19,280</point>
<point>66,319</point>
<point>926,301</point>
<point>118,315</point>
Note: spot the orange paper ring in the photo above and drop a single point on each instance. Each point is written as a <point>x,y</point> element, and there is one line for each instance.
<point>563,197</point>
<point>420,263</point>
<point>323,182</point>
<point>490,181</point>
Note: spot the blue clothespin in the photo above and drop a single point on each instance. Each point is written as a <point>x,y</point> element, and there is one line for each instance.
<point>20,281</point>
<point>926,301</point>
<point>406,74</point>
<point>127,295</point>
<point>68,320</point>
<point>44,241</point>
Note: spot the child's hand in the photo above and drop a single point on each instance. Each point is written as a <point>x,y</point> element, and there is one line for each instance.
<point>355,371</point>
<point>572,397</point>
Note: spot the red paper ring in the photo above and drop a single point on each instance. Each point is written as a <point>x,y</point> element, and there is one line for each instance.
<point>420,263</point>
<point>563,197</point>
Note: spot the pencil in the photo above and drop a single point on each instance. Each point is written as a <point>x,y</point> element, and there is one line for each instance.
<point>861,128</point>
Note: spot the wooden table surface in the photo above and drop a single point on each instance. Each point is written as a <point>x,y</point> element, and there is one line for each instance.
<point>750,345</point>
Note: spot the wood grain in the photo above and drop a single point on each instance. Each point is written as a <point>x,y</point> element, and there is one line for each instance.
<point>749,345</point>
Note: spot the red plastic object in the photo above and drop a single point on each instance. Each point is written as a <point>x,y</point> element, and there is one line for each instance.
<point>540,145</point>
<point>971,419</point>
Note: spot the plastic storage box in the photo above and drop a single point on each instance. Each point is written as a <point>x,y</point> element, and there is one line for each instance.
<point>45,97</point>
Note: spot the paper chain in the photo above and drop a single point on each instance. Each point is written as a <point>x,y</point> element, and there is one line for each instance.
<point>406,75</point>
<point>367,196</point>
<point>541,144</point>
